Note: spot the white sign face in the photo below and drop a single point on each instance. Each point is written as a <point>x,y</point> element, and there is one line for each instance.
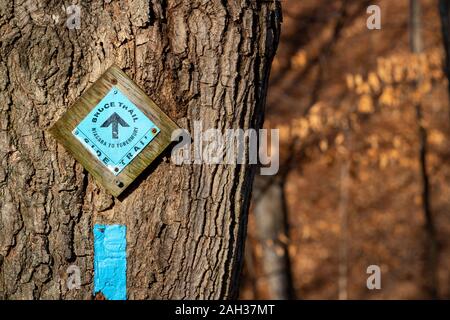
<point>115,131</point>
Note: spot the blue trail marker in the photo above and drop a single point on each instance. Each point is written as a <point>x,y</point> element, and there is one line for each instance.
<point>115,131</point>
<point>110,261</point>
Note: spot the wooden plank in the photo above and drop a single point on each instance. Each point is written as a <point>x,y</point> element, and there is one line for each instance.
<point>62,130</point>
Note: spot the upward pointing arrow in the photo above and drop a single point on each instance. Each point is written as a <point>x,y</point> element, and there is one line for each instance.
<point>114,120</point>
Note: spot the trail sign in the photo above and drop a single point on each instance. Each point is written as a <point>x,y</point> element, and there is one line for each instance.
<point>114,130</point>
<point>99,131</point>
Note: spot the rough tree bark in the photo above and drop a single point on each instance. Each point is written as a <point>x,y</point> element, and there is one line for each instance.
<point>205,60</point>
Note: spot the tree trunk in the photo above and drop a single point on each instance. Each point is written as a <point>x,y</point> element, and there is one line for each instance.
<point>431,245</point>
<point>199,60</point>
<point>272,226</point>
<point>272,233</point>
<point>444,9</point>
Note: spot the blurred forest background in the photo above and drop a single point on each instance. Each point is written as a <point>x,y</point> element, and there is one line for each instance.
<point>364,157</point>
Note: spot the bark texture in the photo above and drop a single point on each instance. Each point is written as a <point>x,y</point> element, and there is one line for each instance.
<point>206,60</point>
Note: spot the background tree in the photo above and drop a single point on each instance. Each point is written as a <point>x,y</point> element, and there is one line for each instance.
<point>444,10</point>
<point>354,194</point>
<point>431,246</point>
<point>272,227</point>
<point>199,60</point>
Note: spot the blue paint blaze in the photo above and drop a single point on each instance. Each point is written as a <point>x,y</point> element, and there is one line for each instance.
<point>110,261</point>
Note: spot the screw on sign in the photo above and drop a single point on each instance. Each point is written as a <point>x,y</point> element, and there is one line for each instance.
<point>99,131</point>
<point>114,130</point>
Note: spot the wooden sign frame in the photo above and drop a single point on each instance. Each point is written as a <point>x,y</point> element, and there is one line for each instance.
<point>62,130</point>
